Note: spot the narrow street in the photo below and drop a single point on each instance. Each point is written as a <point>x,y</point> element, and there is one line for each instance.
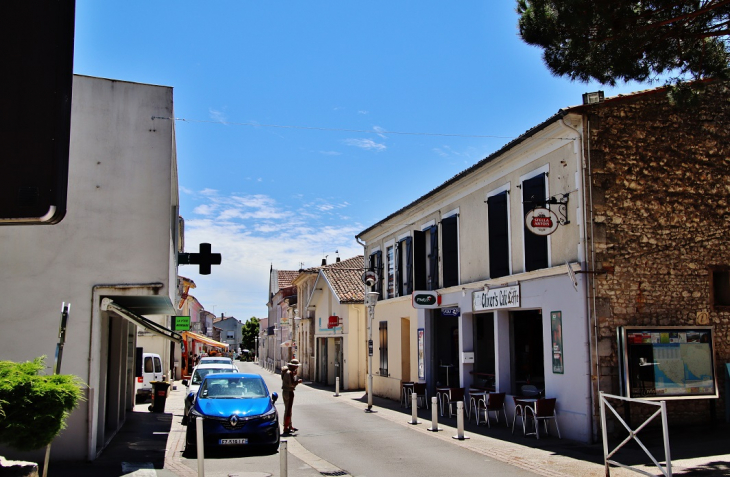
<point>336,437</point>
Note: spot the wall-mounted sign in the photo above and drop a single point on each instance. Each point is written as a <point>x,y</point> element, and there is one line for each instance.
<point>495,298</point>
<point>667,362</point>
<point>452,311</point>
<point>333,322</point>
<point>541,221</point>
<point>181,323</point>
<point>425,299</point>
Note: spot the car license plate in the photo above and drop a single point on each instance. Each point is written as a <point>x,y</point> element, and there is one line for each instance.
<point>233,442</point>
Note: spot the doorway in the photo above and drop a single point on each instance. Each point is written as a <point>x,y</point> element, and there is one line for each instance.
<point>526,347</point>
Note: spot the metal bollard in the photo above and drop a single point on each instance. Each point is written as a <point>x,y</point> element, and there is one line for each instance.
<point>337,386</point>
<point>199,443</point>
<point>283,465</point>
<point>414,409</point>
<point>434,415</point>
<point>460,421</point>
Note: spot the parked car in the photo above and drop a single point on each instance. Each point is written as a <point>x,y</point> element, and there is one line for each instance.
<point>151,371</point>
<point>218,360</point>
<point>196,378</point>
<point>237,411</point>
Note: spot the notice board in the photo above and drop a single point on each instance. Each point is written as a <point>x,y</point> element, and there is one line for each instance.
<point>667,362</point>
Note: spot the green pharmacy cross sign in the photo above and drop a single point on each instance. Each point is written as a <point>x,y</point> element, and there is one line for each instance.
<point>181,323</point>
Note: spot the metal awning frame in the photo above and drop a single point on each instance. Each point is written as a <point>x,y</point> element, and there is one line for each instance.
<point>107,304</point>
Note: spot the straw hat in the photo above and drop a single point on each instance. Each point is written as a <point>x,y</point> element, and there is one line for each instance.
<point>294,362</point>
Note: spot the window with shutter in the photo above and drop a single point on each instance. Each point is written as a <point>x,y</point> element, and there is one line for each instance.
<point>450,250</point>
<point>536,246</point>
<point>498,234</point>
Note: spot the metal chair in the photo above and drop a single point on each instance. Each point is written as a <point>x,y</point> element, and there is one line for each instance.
<point>544,411</point>
<point>406,391</point>
<point>454,396</point>
<point>421,394</point>
<point>519,412</point>
<point>494,402</point>
<point>476,395</point>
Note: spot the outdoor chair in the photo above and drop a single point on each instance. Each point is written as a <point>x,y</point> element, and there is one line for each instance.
<point>519,412</point>
<point>493,402</point>
<point>406,391</point>
<point>421,394</point>
<point>529,390</point>
<point>453,397</point>
<point>544,411</point>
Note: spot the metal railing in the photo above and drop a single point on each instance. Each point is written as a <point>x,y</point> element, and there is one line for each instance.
<point>666,469</point>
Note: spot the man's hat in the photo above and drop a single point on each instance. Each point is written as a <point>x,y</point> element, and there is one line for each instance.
<point>294,362</point>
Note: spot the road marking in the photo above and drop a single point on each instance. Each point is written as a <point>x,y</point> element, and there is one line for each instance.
<point>314,461</point>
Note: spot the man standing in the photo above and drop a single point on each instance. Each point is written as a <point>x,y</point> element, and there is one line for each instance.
<point>289,381</point>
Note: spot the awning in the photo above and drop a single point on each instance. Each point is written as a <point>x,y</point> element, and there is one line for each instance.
<point>107,304</point>
<point>204,339</point>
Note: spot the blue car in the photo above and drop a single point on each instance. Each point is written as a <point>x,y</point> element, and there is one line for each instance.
<point>237,411</point>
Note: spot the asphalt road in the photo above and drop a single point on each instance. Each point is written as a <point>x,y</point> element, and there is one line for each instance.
<point>336,437</point>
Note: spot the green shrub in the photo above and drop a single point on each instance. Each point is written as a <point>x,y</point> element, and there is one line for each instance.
<point>34,407</point>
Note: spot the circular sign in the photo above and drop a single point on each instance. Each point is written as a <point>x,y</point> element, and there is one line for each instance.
<point>541,221</point>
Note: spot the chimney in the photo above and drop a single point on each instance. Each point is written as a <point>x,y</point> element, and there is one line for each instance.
<point>337,260</point>
<point>221,315</point>
<point>324,261</point>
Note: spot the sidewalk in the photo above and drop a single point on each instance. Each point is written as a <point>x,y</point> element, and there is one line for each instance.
<point>151,444</point>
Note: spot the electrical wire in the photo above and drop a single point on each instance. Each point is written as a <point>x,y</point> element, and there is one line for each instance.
<point>365,131</point>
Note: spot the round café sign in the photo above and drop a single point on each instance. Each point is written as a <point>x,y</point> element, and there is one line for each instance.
<point>541,221</point>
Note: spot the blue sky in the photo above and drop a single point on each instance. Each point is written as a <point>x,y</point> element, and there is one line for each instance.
<point>299,124</point>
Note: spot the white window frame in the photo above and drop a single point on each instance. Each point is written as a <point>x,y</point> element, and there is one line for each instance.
<point>386,245</point>
<point>545,169</point>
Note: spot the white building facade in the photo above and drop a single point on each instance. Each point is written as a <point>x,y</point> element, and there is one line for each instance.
<point>510,317</point>
<point>113,257</point>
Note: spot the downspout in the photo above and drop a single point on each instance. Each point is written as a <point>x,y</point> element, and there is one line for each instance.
<point>591,331</point>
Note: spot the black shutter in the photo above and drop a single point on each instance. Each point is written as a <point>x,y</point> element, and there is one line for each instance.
<point>433,263</point>
<point>398,278</point>
<point>419,255</point>
<point>536,251</point>
<point>498,236</point>
<point>409,266</point>
<point>450,252</point>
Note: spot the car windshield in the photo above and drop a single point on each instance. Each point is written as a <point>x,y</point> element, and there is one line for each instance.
<point>199,374</point>
<point>233,388</point>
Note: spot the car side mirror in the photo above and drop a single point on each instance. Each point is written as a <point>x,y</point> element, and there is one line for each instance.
<point>274,396</point>
<point>184,382</point>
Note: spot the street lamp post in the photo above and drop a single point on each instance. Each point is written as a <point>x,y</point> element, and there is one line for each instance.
<point>256,350</point>
<point>371,299</point>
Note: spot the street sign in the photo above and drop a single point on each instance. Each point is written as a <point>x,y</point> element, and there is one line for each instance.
<point>204,259</point>
<point>425,299</point>
<point>181,323</point>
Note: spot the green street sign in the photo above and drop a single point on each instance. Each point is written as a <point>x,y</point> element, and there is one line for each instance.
<point>181,323</point>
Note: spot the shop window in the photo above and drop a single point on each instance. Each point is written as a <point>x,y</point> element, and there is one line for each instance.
<point>376,265</point>
<point>425,264</point>
<point>527,352</point>
<point>450,252</point>
<point>404,266</point>
<point>720,287</point>
<point>498,234</point>
<point>383,348</point>
<point>536,246</point>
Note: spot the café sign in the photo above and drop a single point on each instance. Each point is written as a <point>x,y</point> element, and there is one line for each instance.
<point>541,221</point>
<point>496,298</point>
<point>425,299</point>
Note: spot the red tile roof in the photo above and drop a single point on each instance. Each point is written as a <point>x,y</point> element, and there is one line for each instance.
<point>286,277</point>
<point>345,279</point>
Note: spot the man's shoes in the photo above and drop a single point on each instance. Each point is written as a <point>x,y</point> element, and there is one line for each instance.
<point>293,429</point>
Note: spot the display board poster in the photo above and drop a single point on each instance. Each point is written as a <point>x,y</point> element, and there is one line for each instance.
<point>421,363</point>
<point>556,327</point>
<point>668,362</point>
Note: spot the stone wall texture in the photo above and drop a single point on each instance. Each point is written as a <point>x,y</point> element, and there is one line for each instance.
<point>660,189</point>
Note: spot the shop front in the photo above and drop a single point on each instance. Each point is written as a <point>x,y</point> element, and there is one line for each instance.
<point>198,345</point>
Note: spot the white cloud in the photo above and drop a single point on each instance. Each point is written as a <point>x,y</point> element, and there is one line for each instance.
<point>330,153</point>
<point>368,144</point>
<point>362,111</point>
<point>218,116</point>
<point>380,131</point>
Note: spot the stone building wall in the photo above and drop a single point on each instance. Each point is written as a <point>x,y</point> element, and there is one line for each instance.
<point>660,188</point>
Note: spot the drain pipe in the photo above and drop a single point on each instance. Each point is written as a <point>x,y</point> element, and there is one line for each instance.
<point>592,332</point>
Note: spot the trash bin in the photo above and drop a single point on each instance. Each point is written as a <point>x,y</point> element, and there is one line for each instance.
<point>159,395</point>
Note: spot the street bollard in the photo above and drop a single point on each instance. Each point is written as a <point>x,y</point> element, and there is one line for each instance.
<point>283,470</point>
<point>337,386</point>
<point>460,421</point>
<point>414,409</point>
<point>199,443</point>
<point>434,415</point>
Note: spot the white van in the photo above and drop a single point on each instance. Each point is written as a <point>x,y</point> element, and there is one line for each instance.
<point>151,371</point>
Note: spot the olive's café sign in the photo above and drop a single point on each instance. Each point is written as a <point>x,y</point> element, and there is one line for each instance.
<point>496,298</point>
